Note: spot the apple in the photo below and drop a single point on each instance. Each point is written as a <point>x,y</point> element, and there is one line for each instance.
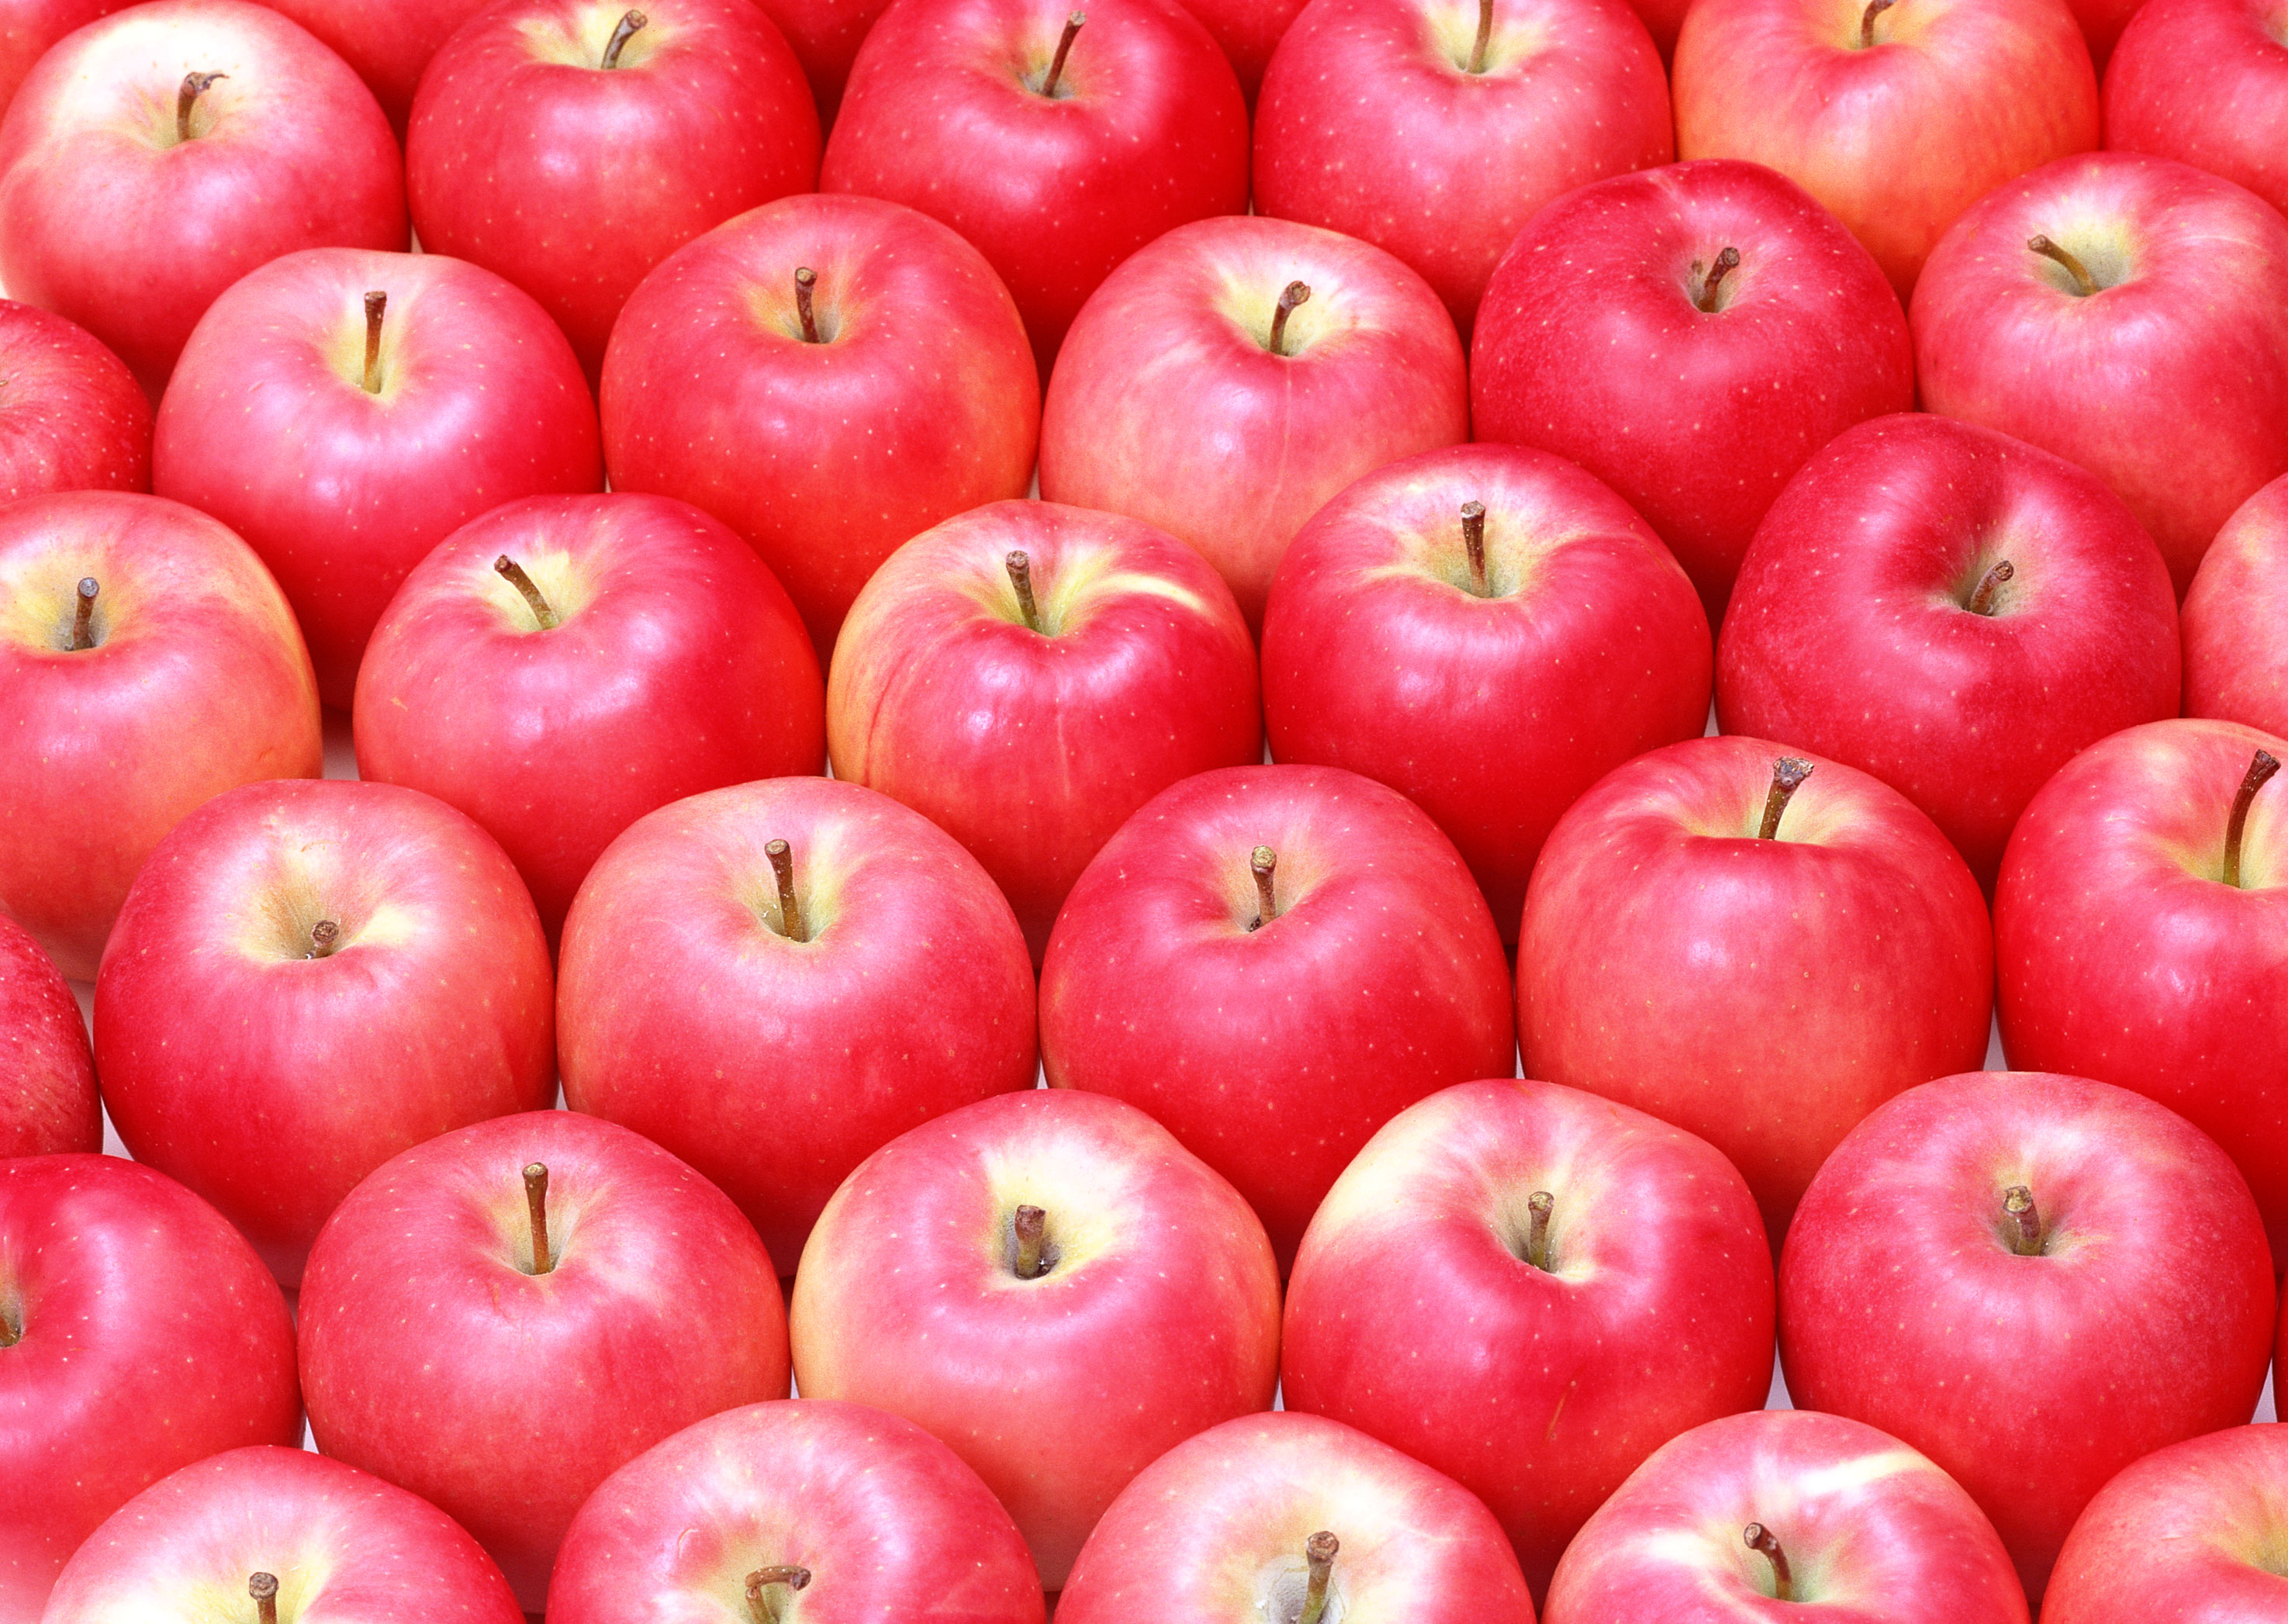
<point>1295,1516</point>
<point>2205,81</point>
<point>388,41</point>
<point>737,1514</point>
<point>148,663</point>
<point>48,1100</point>
<point>1692,336</point>
<point>1275,961</point>
<point>825,35</point>
<point>1897,114</point>
<point>162,154</point>
<point>1489,631</point>
<point>775,1061</point>
<point>1530,1290</point>
<point>1782,1513</point>
<point>1248,31</point>
<point>138,1334</point>
<point>1026,676</point>
<point>28,28</point>
<point>1059,142</point>
<point>72,416</point>
<point>1955,612</point>
<point>306,978</point>
<point>1207,388</point>
<point>1810,944</point>
<point>2235,663</point>
<point>346,411</point>
<point>916,400</point>
<point>1051,1285</point>
<point>1437,130</point>
<point>2103,24</point>
<point>1662,19</point>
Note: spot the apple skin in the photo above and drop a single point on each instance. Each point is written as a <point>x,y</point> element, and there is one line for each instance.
<point>271,1082</point>
<point>1657,1315</point>
<point>2205,81</point>
<point>775,1067</point>
<point>1662,19</point>
<point>1158,1319</point>
<point>107,219</point>
<point>1167,405</point>
<point>2103,24</point>
<point>147,1335</point>
<point>1371,124</point>
<point>1591,344</point>
<point>889,1521</point>
<point>825,35</point>
<point>1491,714</point>
<point>1215,1529</point>
<point>1030,747</point>
<point>28,28</point>
<point>387,41</point>
<point>72,416</point>
<point>677,665</point>
<point>2235,664</point>
<point>48,1101</point>
<point>1850,632</point>
<point>198,682</point>
<point>1889,1538</point>
<point>923,403</point>
<point>1956,97</point>
<point>1248,31</point>
<point>2146,1319</point>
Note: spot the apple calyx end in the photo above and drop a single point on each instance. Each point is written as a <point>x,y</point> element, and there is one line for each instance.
<point>194,85</point>
<point>1762,1540</point>
<point>1290,296</point>
<point>1710,279</point>
<point>2259,774</point>
<point>1319,1565</point>
<point>535,1209</point>
<point>1019,566</point>
<point>542,612</point>
<point>2084,284</point>
<point>1875,8</point>
<point>1030,1225</point>
<point>83,624</point>
<point>626,28</point>
<point>1050,81</point>
<point>1263,862</point>
<point>264,1589</point>
<point>791,924</point>
<point>1788,774</point>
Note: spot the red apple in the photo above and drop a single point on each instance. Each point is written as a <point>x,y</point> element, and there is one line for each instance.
<point>1057,148</point>
<point>1408,125</point>
<point>919,400</point>
<point>306,978</point>
<point>2102,22</point>
<point>1257,1518</point>
<point>2235,660</point>
<point>1053,1286</point>
<point>436,1354</point>
<point>47,1077</point>
<point>863,1514</point>
<point>1248,31</point>
<point>1027,676</point>
<point>28,28</point>
<point>388,41</point>
<point>345,435</point>
<point>2205,81</point>
<point>1897,117</point>
<point>825,35</point>
<point>1275,961</point>
<point>1661,19</point>
<point>1228,381</point>
<point>1531,1289</point>
<point>1952,610</point>
<point>185,677</point>
<point>72,417</point>
<point>1861,1527</point>
<point>776,1064</point>
<point>162,154</point>
<point>138,1334</point>
<point>1692,336</point>
<point>2148,340</point>
<point>2071,1277</point>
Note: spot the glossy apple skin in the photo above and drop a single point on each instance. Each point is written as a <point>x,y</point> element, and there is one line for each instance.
<point>1215,1529</point>
<point>198,682</point>
<point>775,1067</point>
<point>1167,405</point>
<point>106,218</point>
<point>433,1356</point>
<point>267,425</point>
<point>1149,131</point>
<point>1801,981</point>
<point>271,1082</point>
<point>1274,1053</point>
<point>1655,1316</point>
<point>1492,713</point>
<point>1849,632</point>
<point>72,416</point>
<point>1956,97</point>
<point>1590,345</point>
<point>1248,31</point>
<point>2187,1533</point>
<point>1874,1533</point>
<point>1158,1319</point>
<point>1438,164</point>
<point>387,41</point>
<point>148,1336</point>
<point>2125,1334</point>
<point>922,403</point>
<point>825,35</point>
<point>28,29</point>
<point>677,665</point>
<point>48,1101</point>
<point>2205,81</point>
<point>2236,661</point>
<point>889,1521</point>
<point>1031,746</point>
<point>1661,19</point>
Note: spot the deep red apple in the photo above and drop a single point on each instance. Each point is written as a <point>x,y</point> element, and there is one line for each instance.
<point>1053,1286</point>
<point>1248,31</point>
<point>2102,23</point>
<point>388,41</point>
<point>1661,19</point>
<point>138,1334</point>
<point>439,1353</point>
<point>28,28</point>
<point>1952,610</point>
<point>2205,81</point>
<point>72,417</point>
<point>825,35</point>
<point>2235,660</point>
<point>1028,675</point>
<point>1230,379</point>
<point>2193,1531</point>
<point>47,1077</point>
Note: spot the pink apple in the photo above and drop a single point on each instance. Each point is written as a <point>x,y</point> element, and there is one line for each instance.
<point>1952,610</point>
<point>1229,380</point>
<point>825,35</point>
<point>1053,1286</point>
<point>1248,31</point>
<point>72,417</point>
<point>388,41</point>
<point>47,1077</point>
<point>1026,676</point>
<point>2235,660</point>
<point>28,28</point>
<point>2205,81</point>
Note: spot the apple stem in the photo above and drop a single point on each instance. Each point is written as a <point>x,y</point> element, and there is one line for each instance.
<point>1290,297</point>
<point>509,570</point>
<point>2026,1235</point>
<point>1788,774</point>
<point>535,1206</point>
<point>1319,1556</point>
<point>765,1609</point>
<point>1982,601</point>
<point>1485,36</point>
<point>1875,8</point>
<point>1726,262</point>
<point>1760,1538</point>
<point>1021,577</point>
<point>629,24</point>
<point>83,632</point>
<point>194,85</point>
<point>11,1329</point>
<point>325,936</point>
<point>1032,1226</point>
<point>2259,773</point>
<point>805,280</point>
<point>375,303</point>
<point>1073,25</point>
<point>2084,284</point>
<point>791,924</point>
<point>264,1589</point>
<point>1265,863</point>
<point>1538,1205</point>
<point>1473,541</point>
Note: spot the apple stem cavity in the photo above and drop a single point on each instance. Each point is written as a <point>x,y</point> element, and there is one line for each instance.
<point>194,85</point>
<point>1538,1206</point>
<point>1875,8</point>
<point>1021,577</point>
<point>509,570</point>
<point>325,937</point>
<point>629,25</point>
<point>264,1589</point>
<point>2025,1221</point>
<point>2084,284</point>
<point>1761,1539</point>
<point>1319,1559</point>
<point>1485,36</point>
<point>764,1607</point>
<point>1032,1226</point>
<point>1726,262</point>
<point>1989,587</point>
<point>1788,774</point>
<point>2259,773</point>
<point>1073,25</point>
<point>83,632</point>
<point>805,280</point>
<point>536,1208</point>
<point>791,924</point>
<point>1290,297</point>
<point>375,303</point>
<point>1264,862</point>
<point>1474,541</point>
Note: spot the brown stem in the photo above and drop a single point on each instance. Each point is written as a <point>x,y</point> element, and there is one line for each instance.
<point>1073,25</point>
<point>2259,773</point>
<point>2026,1234</point>
<point>805,280</point>
<point>765,1609</point>
<point>1265,863</point>
<point>83,632</point>
<point>12,1328</point>
<point>1032,1225</point>
<point>791,919</point>
<point>1760,1538</point>
<point>375,303</point>
<point>2084,284</point>
<point>1538,1205</point>
<point>1021,577</point>
<point>1319,1556</point>
<point>1485,36</point>
<point>325,936</point>
<point>1290,297</point>
<point>1990,586</point>
<point>264,1589</point>
<point>194,85</point>
<point>629,24</point>
<point>1788,774</point>
<point>1474,541</point>
<point>509,570</point>
<point>1726,262</point>
<point>535,1206</point>
<point>1875,8</point>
